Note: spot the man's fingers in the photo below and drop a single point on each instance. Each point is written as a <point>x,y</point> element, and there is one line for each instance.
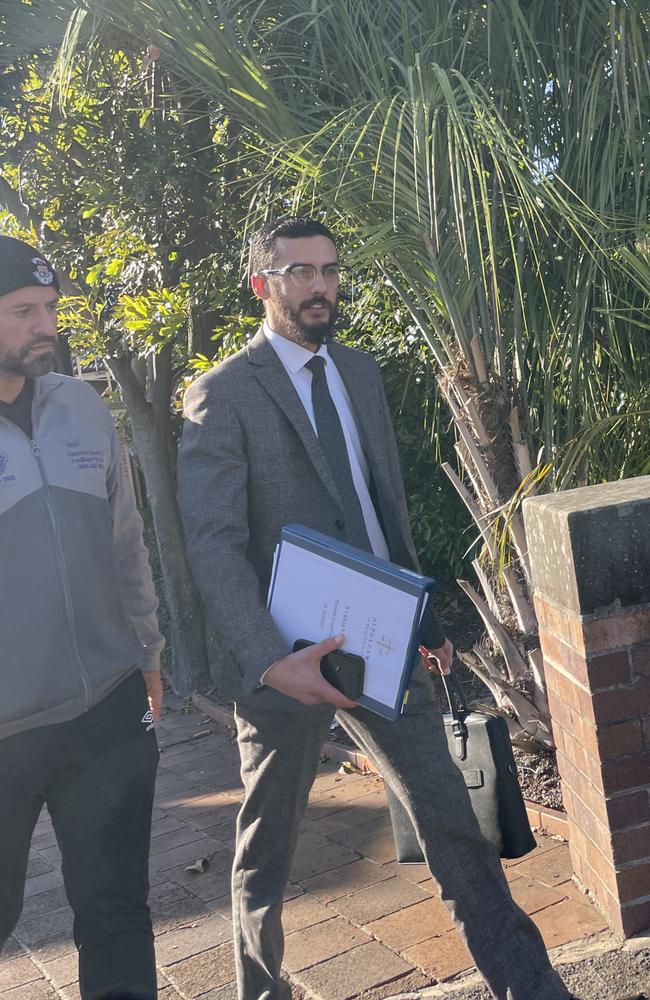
<point>325,646</point>
<point>334,697</point>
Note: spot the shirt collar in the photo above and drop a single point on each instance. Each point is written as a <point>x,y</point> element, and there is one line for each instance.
<point>293,356</point>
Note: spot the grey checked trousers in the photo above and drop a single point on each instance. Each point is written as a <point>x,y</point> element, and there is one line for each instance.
<point>280,753</point>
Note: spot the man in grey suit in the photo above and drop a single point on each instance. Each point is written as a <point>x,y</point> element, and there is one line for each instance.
<point>295,428</point>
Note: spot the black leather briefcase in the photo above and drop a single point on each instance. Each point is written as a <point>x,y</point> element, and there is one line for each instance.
<point>480,746</point>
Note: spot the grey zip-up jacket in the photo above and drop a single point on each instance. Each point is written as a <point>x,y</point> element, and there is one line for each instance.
<point>77,602</point>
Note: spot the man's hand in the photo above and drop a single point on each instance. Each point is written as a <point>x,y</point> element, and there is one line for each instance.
<point>154,691</point>
<point>299,676</point>
<point>437,661</point>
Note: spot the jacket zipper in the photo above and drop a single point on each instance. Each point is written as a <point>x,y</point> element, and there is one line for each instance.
<point>63,571</point>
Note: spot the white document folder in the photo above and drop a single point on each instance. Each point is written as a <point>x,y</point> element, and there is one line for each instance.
<point>321,587</point>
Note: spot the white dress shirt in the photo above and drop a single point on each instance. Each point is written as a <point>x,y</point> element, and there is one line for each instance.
<point>294,358</point>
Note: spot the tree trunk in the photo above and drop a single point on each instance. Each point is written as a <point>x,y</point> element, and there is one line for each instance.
<point>150,435</point>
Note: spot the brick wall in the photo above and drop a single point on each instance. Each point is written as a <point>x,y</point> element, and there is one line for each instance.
<point>590,559</point>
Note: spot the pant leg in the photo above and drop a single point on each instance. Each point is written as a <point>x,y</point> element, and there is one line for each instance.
<point>101,803</point>
<point>413,757</point>
<point>21,801</point>
<point>279,757</point>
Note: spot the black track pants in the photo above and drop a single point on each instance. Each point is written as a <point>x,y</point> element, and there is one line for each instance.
<point>96,774</point>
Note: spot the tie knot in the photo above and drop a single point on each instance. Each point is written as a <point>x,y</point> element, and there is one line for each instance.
<point>316,366</point>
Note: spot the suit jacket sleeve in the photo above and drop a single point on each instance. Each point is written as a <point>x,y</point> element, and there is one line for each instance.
<point>433,633</point>
<point>212,495</point>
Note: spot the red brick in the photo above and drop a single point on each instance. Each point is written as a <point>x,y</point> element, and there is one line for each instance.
<point>630,627</point>
<point>622,703</point>
<point>641,661</point>
<point>620,739</point>
<point>634,882</point>
<point>631,845</point>
<point>608,670</point>
<point>635,918</point>
<point>557,653</point>
<point>563,624</point>
<point>596,831</point>
<point>626,772</point>
<point>628,810</point>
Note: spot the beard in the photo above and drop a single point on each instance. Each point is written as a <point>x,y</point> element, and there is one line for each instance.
<point>308,334</point>
<point>20,362</point>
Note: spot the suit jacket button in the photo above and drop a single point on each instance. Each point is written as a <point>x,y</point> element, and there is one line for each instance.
<point>339,523</point>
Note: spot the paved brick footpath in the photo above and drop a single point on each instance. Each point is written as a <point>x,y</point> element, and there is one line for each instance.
<point>356,923</point>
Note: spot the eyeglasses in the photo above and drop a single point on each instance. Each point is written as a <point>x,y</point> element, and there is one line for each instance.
<point>304,275</point>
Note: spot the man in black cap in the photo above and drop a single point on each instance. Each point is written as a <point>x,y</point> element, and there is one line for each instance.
<point>80,687</point>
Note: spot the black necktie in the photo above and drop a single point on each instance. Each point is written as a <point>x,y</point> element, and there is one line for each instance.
<point>332,441</point>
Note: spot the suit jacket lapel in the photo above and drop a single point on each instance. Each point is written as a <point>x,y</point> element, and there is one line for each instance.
<point>365,403</point>
<point>273,377</point>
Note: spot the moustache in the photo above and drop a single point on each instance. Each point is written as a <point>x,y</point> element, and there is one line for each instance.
<point>40,342</point>
<point>317,302</point>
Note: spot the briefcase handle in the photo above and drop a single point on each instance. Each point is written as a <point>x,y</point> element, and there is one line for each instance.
<point>454,690</point>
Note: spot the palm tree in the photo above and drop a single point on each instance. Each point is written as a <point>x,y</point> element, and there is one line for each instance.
<point>488,159</point>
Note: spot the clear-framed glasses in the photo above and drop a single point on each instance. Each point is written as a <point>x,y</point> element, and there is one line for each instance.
<point>304,275</point>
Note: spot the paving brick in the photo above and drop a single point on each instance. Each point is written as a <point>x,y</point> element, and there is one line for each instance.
<point>38,990</point>
<point>550,868</point>
<point>349,974</point>
<point>212,968</point>
<point>44,902</point>
<point>164,824</point>
<point>412,873</point>
<point>18,973</point>
<point>416,923</point>
<point>187,853</point>
<point>360,833</point>
<point>308,863</point>
<point>208,885</point>
<point>39,864</point>
<point>442,957</point>
<point>46,839</point>
<point>567,921</point>
<point>532,896</point>
<point>174,838</point>
<point>304,911</point>
<point>379,900</point>
<point>191,940</point>
<point>173,915</point>
<point>44,925</point>
<point>407,987</point>
<point>312,945</point>
<point>380,849</point>
<point>43,883</point>
<point>344,880</point>
<point>63,971</point>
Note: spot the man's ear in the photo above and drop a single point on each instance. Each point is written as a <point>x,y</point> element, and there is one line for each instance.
<point>260,286</point>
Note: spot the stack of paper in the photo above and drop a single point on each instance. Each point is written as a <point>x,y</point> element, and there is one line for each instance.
<point>321,587</point>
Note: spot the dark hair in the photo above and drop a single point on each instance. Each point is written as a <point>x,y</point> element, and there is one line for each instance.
<point>292,227</point>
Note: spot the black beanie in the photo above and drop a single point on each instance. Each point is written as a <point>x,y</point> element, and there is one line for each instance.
<point>21,266</point>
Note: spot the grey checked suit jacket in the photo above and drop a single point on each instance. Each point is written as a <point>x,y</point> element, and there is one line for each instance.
<point>250,463</point>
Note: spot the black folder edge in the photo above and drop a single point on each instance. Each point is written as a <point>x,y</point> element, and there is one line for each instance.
<point>377,569</point>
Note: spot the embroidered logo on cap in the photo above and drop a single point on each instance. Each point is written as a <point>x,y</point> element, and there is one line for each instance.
<point>4,461</point>
<point>43,272</point>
